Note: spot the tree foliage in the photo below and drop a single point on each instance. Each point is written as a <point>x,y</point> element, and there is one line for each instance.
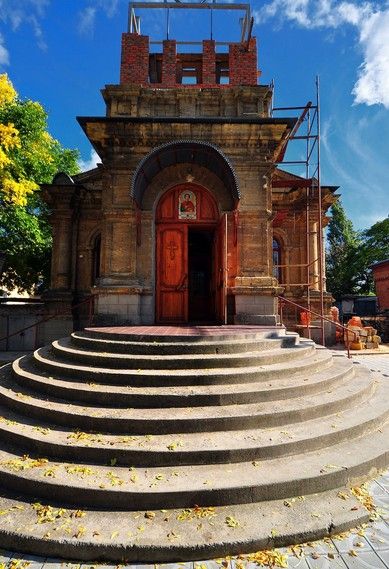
<point>374,248</point>
<point>29,156</point>
<point>350,254</point>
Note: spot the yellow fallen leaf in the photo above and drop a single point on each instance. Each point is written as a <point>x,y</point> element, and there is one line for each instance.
<point>297,551</point>
<point>24,463</point>
<point>232,522</point>
<point>269,558</point>
<point>196,512</point>
<point>80,532</point>
<point>18,564</point>
<point>78,469</point>
<point>42,430</point>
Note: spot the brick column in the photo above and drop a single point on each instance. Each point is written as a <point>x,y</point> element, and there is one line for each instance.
<point>169,63</point>
<point>243,63</point>
<point>134,67</point>
<point>209,63</point>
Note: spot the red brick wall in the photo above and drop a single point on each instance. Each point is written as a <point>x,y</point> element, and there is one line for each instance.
<point>209,62</point>
<point>169,63</point>
<point>134,67</point>
<point>381,279</point>
<point>135,63</point>
<point>243,63</point>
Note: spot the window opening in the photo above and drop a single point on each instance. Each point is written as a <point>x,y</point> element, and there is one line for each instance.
<point>277,260</point>
<point>96,259</point>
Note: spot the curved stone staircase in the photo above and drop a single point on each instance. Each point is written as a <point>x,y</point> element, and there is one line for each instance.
<point>160,444</point>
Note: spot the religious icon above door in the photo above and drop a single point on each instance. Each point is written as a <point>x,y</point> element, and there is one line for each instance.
<point>187,205</point>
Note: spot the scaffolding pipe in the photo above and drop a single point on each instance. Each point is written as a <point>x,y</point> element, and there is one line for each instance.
<point>307,216</point>
<point>311,183</point>
<point>320,224</point>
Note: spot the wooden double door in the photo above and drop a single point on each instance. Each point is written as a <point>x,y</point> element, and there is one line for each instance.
<point>191,271</point>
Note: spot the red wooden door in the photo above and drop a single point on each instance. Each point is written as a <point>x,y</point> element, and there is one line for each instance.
<point>220,259</point>
<point>172,273</point>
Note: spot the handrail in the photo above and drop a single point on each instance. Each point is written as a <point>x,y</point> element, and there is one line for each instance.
<point>89,299</point>
<point>283,299</point>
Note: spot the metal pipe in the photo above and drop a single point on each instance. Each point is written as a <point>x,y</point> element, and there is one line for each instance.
<point>307,221</point>
<point>344,328</point>
<point>6,338</point>
<point>320,224</point>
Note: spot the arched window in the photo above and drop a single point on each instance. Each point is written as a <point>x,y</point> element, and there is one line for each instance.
<point>96,259</point>
<point>277,272</point>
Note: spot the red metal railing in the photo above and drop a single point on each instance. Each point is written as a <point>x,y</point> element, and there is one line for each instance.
<point>90,300</point>
<point>346,330</point>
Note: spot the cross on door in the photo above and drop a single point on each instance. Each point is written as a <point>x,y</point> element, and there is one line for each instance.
<point>172,247</point>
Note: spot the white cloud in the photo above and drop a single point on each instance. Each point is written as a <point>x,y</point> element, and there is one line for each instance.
<point>364,187</point>
<point>372,86</point>
<point>91,163</point>
<point>4,55</point>
<point>15,13</point>
<point>371,24</point>
<point>87,16</point>
<point>86,23</point>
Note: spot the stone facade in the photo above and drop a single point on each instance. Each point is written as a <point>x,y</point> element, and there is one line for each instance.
<point>159,133</point>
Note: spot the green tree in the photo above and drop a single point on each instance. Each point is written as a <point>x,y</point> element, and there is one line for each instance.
<point>350,253</point>
<point>343,243</point>
<point>374,248</point>
<point>29,156</point>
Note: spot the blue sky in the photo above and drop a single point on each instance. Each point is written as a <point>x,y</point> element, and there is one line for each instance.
<point>62,52</point>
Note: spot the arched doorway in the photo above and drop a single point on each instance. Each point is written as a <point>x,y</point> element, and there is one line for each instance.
<point>191,257</point>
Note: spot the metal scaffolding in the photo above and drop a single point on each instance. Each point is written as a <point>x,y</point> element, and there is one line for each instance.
<point>309,117</point>
<point>246,21</point>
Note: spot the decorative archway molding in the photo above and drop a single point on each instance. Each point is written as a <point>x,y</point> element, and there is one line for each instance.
<point>184,152</point>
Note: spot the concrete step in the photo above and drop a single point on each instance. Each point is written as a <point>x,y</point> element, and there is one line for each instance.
<point>185,419</point>
<point>180,396</point>
<point>82,340</point>
<point>64,349</point>
<point>174,535</point>
<point>55,366</point>
<point>184,486</point>
<point>46,439</point>
<point>250,419</point>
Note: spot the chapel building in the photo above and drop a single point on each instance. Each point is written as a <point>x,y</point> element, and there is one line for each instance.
<point>188,218</point>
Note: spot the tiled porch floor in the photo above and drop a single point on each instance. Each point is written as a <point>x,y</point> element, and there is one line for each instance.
<point>200,330</point>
